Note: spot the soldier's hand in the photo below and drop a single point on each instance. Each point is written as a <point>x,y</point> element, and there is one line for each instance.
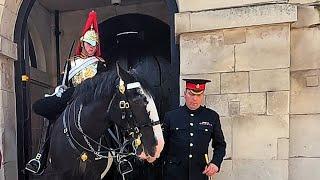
<point>210,170</point>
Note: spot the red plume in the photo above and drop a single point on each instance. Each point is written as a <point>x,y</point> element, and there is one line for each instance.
<point>92,20</point>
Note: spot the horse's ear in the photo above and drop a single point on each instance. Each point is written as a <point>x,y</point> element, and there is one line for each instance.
<point>124,75</point>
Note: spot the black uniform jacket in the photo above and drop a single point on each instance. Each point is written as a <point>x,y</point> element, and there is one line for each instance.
<point>187,135</point>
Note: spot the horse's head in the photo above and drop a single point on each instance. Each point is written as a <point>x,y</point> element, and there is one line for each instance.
<point>133,109</point>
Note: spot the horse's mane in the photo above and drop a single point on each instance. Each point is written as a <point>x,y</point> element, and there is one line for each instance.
<point>103,86</point>
<point>96,88</point>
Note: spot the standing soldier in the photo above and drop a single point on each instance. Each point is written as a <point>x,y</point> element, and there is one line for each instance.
<point>85,64</point>
<point>187,132</point>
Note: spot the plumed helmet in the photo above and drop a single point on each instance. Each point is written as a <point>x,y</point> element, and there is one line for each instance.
<point>90,33</point>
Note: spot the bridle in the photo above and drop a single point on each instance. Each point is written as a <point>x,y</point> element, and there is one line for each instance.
<point>127,113</point>
<point>134,130</point>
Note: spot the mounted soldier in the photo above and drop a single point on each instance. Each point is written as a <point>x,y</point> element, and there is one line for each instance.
<point>85,64</point>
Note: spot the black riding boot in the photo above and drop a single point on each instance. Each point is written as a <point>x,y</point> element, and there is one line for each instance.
<point>38,164</point>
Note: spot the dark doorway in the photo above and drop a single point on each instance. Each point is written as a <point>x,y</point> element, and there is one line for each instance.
<point>158,63</point>
<point>142,43</point>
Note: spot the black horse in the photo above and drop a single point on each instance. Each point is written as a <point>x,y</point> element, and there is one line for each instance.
<point>78,147</point>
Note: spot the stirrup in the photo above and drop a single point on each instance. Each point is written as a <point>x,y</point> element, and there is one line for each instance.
<point>34,165</point>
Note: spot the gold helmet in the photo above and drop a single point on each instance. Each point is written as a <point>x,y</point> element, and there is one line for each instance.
<point>90,37</point>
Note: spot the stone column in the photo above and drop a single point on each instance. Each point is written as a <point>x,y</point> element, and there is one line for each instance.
<point>8,54</point>
<point>305,95</point>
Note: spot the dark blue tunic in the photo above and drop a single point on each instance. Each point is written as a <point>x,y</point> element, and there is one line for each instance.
<point>187,135</point>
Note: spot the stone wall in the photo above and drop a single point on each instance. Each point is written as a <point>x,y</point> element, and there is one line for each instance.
<point>263,60</point>
<point>250,90</point>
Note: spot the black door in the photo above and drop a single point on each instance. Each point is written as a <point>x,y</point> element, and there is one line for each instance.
<point>143,43</point>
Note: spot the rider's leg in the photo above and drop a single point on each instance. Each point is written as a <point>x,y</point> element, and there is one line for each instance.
<point>50,108</point>
<point>38,164</point>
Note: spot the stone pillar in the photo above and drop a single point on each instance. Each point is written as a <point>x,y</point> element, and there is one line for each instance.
<point>245,51</point>
<point>305,95</point>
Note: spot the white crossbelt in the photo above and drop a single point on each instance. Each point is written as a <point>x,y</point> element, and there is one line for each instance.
<point>80,66</point>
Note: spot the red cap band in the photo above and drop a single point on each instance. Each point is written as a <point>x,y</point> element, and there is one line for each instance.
<point>196,87</point>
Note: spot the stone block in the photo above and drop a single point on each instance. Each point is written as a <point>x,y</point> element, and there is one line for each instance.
<point>266,47</point>
<point>304,168</point>
<point>241,17</point>
<point>8,48</point>
<point>305,49</point>
<point>269,80</point>
<point>278,102</point>
<point>304,135</point>
<point>250,103</point>
<point>302,1</point>
<point>256,137</point>
<point>312,81</point>
<point>182,22</point>
<point>234,36</point>
<point>307,16</point>
<point>7,24</point>
<point>219,103</point>
<point>205,53</point>
<point>10,170</point>
<point>9,150</point>
<point>190,5</point>
<point>237,82</point>
<point>303,99</point>
<point>260,169</point>
<point>2,119</point>
<point>283,149</point>
<point>13,6</point>
<point>6,74</point>
<point>211,88</point>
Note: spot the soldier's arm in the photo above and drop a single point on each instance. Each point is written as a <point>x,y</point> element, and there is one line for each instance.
<point>218,143</point>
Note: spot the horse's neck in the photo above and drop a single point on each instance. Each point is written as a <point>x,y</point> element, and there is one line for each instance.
<point>94,118</point>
